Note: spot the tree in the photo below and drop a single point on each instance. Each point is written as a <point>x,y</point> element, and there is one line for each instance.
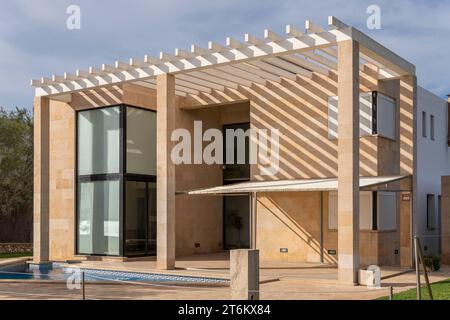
<point>16,175</point>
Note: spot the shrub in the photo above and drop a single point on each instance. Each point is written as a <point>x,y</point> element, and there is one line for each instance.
<point>433,262</point>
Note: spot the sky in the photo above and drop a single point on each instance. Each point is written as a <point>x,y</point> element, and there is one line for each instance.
<point>35,40</point>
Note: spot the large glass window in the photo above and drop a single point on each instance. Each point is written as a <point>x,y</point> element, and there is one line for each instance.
<point>140,236</point>
<point>141,141</point>
<point>98,141</point>
<point>98,221</point>
<point>116,192</point>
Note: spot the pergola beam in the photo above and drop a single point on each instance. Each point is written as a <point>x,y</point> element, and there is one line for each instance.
<point>273,56</point>
<point>373,49</point>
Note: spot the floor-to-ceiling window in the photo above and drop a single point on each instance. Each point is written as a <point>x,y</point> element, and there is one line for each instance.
<point>116,178</point>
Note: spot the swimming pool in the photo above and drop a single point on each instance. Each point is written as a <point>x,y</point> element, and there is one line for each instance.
<point>62,272</point>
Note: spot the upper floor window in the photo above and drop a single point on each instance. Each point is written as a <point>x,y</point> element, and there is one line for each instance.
<point>377,115</point>
<point>424,124</point>
<point>432,127</point>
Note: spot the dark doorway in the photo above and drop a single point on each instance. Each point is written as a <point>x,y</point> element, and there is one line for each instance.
<point>140,234</point>
<point>236,209</point>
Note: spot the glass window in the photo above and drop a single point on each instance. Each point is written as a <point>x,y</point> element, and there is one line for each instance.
<point>386,116</point>
<point>151,198</point>
<point>365,210</point>
<point>141,141</point>
<point>99,141</point>
<point>431,212</point>
<point>424,124</point>
<point>237,153</point>
<point>107,139</point>
<point>365,115</point>
<point>98,217</point>
<point>432,127</point>
<point>237,222</point>
<point>387,211</point>
<point>136,218</point>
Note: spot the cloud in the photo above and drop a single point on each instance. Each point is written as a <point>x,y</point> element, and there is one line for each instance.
<point>34,40</point>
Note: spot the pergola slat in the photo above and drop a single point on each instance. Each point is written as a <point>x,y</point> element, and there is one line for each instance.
<point>289,66</point>
<point>255,60</point>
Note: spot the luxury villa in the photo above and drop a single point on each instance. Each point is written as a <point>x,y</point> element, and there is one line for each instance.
<point>360,150</point>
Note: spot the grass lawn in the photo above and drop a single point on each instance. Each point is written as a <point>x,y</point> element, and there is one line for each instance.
<point>440,290</point>
<point>14,255</point>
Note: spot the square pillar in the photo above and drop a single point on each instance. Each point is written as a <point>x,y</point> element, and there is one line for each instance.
<point>348,162</point>
<point>41,201</point>
<point>244,274</point>
<point>408,164</point>
<point>445,219</point>
<point>165,184</point>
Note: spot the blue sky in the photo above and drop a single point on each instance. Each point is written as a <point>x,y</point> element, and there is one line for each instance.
<point>34,40</point>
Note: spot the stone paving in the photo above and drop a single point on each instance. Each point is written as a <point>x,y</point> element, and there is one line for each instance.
<point>288,281</point>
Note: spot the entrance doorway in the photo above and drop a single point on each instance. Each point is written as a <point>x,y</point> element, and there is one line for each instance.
<point>236,209</point>
<point>140,218</point>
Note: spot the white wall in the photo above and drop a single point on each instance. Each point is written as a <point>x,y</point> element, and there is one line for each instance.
<point>433,161</point>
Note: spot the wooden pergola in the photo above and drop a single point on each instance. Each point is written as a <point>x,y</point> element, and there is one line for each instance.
<point>202,72</point>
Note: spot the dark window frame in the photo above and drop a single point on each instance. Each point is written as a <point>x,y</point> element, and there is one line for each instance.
<point>432,196</point>
<point>123,176</point>
<point>432,127</point>
<point>424,124</point>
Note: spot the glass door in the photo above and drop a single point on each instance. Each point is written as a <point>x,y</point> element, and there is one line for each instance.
<point>140,218</point>
<point>236,209</point>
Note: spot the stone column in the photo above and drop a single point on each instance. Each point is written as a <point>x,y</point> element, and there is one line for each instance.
<point>445,219</point>
<point>165,188</point>
<point>41,180</point>
<point>348,162</point>
<point>244,274</point>
<point>408,164</point>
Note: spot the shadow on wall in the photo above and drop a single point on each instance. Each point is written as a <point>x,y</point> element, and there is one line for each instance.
<point>292,221</point>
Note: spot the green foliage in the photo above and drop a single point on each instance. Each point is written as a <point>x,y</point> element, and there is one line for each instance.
<point>440,290</point>
<point>15,255</point>
<point>433,262</point>
<point>16,173</point>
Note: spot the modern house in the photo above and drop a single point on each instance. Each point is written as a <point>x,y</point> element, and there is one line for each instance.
<point>348,168</point>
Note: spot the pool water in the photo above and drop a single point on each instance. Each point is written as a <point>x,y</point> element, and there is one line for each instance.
<point>60,272</point>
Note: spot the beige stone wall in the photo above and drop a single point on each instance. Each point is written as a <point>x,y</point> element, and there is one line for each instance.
<point>292,221</point>
<point>199,219</point>
<point>62,183</point>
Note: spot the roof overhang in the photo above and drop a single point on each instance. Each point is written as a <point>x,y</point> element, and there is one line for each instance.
<point>219,67</point>
<point>302,185</point>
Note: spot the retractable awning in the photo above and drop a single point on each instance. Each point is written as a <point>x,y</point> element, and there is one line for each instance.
<point>326,184</point>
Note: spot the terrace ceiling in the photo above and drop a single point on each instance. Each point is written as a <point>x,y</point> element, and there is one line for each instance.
<point>224,67</point>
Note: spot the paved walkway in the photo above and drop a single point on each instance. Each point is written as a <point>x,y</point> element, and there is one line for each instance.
<point>280,280</point>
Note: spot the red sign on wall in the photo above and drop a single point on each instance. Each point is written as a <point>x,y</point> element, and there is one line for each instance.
<point>406,196</point>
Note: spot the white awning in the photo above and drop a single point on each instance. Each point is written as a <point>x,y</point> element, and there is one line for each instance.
<point>327,184</point>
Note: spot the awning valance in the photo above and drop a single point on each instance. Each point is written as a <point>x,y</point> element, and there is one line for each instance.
<point>326,184</point>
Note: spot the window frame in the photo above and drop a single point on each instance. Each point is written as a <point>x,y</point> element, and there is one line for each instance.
<point>123,176</point>
<point>374,116</point>
<point>432,196</point>
<point>432,127</point>
<point>424,124</point>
